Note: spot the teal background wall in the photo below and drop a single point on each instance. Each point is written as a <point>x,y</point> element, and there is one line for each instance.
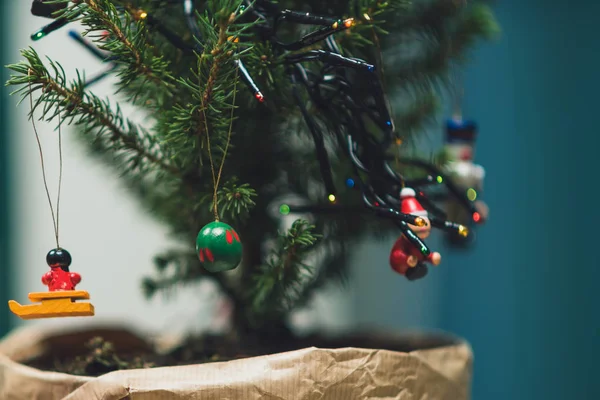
<point>527,296</point>
<point>4,186</point>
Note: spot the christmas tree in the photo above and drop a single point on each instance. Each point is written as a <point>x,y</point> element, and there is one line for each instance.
<point>256,111</point>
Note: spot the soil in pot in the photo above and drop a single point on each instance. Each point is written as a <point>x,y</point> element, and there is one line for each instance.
<point>97,352</point>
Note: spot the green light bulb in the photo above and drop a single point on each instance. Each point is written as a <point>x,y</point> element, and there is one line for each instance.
<point>38,35</point>
<point>284,209</point>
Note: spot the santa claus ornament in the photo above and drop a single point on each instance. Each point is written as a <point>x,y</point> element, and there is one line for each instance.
<point>405,258</point>
<point>460,146</point>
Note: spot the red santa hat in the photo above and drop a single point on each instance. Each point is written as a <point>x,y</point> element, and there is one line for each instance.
<point>409,204</point>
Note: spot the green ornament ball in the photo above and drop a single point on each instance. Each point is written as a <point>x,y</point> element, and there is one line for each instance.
<point>219,247</point>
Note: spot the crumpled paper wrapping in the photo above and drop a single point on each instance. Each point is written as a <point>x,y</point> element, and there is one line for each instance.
<point>441,373</point>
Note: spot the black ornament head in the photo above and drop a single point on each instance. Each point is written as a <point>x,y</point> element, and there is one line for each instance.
<point>59,257</point>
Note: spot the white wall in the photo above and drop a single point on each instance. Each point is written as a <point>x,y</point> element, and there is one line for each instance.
<point>112,242</point>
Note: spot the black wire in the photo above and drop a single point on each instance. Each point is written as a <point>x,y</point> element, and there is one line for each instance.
<point>460,195</point>
<point>322,156</point>
<point>89,47</point>
<point>51,27</point>
<point>404,228</point>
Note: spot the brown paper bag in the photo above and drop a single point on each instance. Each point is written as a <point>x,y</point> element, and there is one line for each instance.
<point>441,373</point>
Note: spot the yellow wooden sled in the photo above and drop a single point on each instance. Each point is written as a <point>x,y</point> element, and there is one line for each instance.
<point>54,304</point>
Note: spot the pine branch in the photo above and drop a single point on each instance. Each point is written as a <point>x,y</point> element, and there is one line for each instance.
<point>421,111</point>
<point>207,94</point>
<point>122,33</point>
<point>477,23</point>
<point>427,15</point>
<point>439,159</point>
<point>211,91</point>
<point>423,71</point>
<point>181,267</point>
<point>279,282</point>
<point>85,109</point>
<point>234,201</point>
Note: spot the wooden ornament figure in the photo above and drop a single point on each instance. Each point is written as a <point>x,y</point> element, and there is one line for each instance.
<point>405,258</point>
<point>59,277</point>
<point>59,301</point>
<point>460,147</point>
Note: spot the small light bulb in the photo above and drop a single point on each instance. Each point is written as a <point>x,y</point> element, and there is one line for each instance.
<point>439,179</point>
<point>331,198</point>
<point>335,25</point>
<point>476,217</point>
<point>284,209</point>
<point>367,17</point>
<point>38,35</point>
<point>349,22</point>
<point>143,15</point>
<point>471,194</point>
<point>420,222</point>
<point>463,231</point>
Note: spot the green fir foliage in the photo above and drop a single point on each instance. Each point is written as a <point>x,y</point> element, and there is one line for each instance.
<point>198,108</point>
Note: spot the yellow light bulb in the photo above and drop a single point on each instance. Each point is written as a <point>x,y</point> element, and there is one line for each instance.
<point>471,194</point>
<point>143,15</point>
<point>420,222</point>
<point>367,17</point>
<point>331,198</point>
<point>463,231</point>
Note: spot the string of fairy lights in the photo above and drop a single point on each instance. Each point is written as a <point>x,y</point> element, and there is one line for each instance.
<point>335,95</point>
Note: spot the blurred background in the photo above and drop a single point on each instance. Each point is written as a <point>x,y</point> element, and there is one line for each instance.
<point>525,296</point>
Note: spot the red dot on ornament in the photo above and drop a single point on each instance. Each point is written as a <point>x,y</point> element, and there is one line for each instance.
<point>209,255</point>
<point>235,235</point>
<point>201,255</point>
<point>476,217</point>
<point>228,237</point>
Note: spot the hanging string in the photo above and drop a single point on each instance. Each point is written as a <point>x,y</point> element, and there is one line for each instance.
<point>55,217</point>
<point>217,177</point>
<point>60,169</point>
